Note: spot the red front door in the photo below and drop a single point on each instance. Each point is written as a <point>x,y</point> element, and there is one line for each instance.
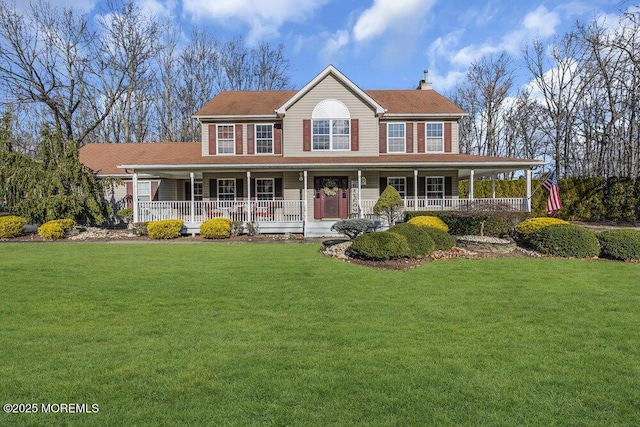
<point>331,197</point>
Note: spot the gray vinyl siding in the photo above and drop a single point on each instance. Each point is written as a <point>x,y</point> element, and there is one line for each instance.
<point>167,190</point>
<point>330,88</point>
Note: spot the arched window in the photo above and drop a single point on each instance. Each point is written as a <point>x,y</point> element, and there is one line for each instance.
<point>331,130</point>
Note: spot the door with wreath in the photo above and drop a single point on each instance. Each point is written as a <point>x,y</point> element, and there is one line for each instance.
<point>331,197</point>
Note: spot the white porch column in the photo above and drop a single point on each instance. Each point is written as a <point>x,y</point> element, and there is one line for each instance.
<point>359,193</point>
<point>193,202</point>
<point>528,174</point>
<point>493,186</point>
<point>471,177</point>
<point>134,202</point>
<point>305,208</point>
<point>249,219</point>
<point>415,189</point>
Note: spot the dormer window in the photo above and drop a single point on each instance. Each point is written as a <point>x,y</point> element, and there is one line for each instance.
<point>330,129</point>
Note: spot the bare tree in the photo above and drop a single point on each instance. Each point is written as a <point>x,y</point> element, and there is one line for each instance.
<point>50,57</point>
<point>487,86</point>
<point>561,85</point>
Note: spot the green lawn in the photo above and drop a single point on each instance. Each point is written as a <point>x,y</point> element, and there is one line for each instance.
<point>277,334</point>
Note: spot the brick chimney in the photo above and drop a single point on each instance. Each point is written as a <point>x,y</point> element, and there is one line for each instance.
<point>425,84</point>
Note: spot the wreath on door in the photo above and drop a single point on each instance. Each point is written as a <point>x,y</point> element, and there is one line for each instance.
<point>330,188</point>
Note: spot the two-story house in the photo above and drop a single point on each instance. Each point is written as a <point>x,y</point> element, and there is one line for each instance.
<point>297,161</point>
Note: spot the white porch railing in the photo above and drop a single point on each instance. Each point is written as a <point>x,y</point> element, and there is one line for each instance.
<point>514,204</point>
<point>244,211</point>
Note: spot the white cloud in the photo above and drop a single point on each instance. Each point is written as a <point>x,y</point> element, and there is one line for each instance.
<point>542,22</point>
<point>387,15</point>
<point>163,9</point>
<point>334,43</point>
<point>263,17</point>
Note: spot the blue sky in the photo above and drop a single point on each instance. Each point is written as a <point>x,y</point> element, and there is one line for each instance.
<point>382,44</point>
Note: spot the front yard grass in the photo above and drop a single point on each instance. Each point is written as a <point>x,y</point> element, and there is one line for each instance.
<point>278,334</point>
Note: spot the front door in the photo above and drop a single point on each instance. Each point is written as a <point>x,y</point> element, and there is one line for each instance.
<point>331,197</point>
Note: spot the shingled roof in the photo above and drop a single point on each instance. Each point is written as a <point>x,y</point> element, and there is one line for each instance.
<point>261,103</point>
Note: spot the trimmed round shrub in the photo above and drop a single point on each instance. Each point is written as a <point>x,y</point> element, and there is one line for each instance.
<point>165,229</point>
<point>67,223</point>
<point>11,226</point>
<point>420,243</point>
<point>217,228</point>
<point>379,246</point>
<point>429,221</point>
<point>620,243</point>
<point>532,225</point>
<point>51,230</point>
<point>565,240</point>
<point>442,240</point>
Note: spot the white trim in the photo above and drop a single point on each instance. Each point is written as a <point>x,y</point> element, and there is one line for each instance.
<point>273,187</point>
<point>331,135</point>
<point>458,165</point>
<point>426,186</point>
<point>235,189</point>
<point>317,79</point>
<point>255,138</point>
<point>426,138</point>
<point>233,140</point>
<point>404,137</point>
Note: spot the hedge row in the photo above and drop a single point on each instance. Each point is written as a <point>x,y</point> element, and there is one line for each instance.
<point>583,199</point>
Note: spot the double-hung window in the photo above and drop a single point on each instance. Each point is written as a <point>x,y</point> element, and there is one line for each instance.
<point>144,191</point>
<point>395,138</point>
<point>331,134</point>
<point>434,187</point>
<point>435,137</point>
<point>265,189</point>
<point>264,139</point>
<point>227,189</point>
<point>226,139</point>
<point>400,184</point>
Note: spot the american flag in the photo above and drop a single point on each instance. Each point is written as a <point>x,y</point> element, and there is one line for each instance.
<point>553,200</point>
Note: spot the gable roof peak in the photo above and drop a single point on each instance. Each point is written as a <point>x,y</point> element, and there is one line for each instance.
<point>331,70</point>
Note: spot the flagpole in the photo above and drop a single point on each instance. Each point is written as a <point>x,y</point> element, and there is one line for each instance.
<point>542,180</point>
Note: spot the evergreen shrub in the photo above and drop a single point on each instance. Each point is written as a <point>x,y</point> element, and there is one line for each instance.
<point>217,228</point>
<point>420,242</point>
<point>531,225</point>
<point>353,227</point>
<point>429,221</point>
<point>126,214</point>
<point>165,229</point>
<point>565,240</point>
<point>379,246</point>
<point>620,243</point>
<point>390,205</point>
<point>443,240</point>
<point>11,226</point>
<point>51,230</point>
<point>67,223</point>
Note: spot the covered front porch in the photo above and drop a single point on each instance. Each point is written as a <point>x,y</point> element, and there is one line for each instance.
<point>298,202</point>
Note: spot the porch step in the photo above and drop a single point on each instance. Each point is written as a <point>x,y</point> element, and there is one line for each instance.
<point>320,229</point>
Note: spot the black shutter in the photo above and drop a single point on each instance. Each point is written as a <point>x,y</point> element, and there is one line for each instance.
<point>239,187</point>
<point>187,190</point>
<point>422,191</point>
<point>278,188</point>
<point>253,189</point>
<point>383,184</point>
<point>448,186</point>
<point>409,185</point>
<point>213,188</point>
